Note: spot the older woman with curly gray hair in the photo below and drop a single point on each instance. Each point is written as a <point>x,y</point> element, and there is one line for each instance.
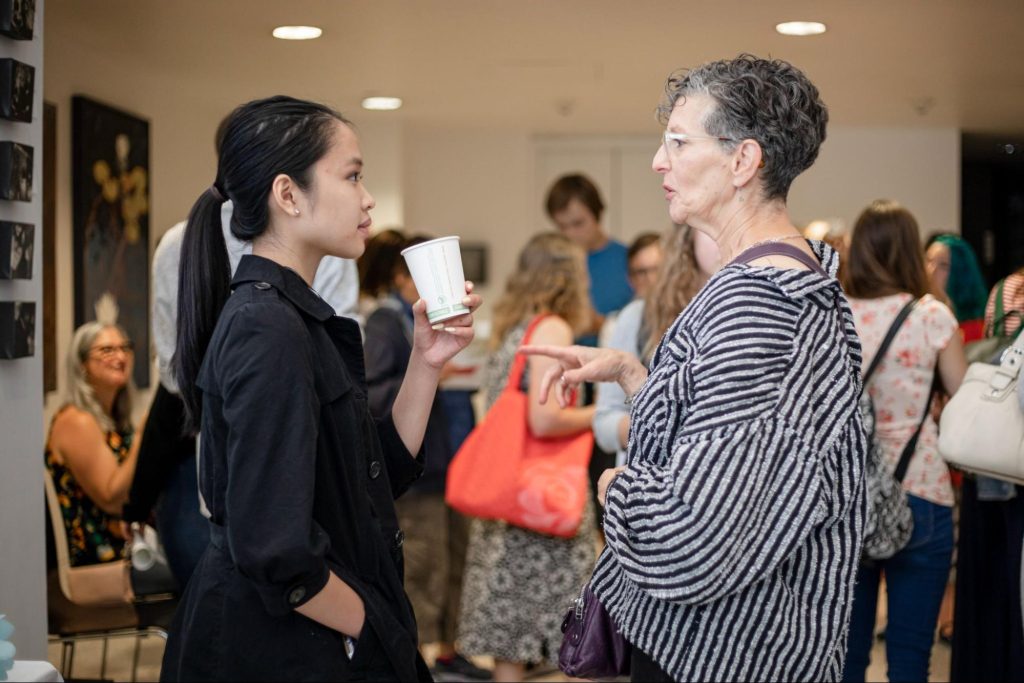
<point>734,531</point>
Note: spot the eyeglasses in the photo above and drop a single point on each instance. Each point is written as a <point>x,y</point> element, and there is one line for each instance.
<point>108,352</point>
<point>674,142</point>
<point>644,272</point>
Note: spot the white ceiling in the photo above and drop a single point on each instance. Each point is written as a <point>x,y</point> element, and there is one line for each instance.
<point>559,66</point>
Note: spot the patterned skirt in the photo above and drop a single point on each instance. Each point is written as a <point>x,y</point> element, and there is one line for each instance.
<point>518,586</point>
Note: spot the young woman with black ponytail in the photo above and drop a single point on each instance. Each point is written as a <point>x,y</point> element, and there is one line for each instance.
<point>303,576</point>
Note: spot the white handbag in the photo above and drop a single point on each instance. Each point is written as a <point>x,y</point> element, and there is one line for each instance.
<point>982,426</point>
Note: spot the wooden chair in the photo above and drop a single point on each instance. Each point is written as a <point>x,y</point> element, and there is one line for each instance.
<point>96,602</point>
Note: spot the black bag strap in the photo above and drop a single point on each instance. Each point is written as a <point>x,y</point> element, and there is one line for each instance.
<point>779,249</point>
<point>908,450</point>
<point>901,317</point>
<point>997,328</point>
<point>911,446</point>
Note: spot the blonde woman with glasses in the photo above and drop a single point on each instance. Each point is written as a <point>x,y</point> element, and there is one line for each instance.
<point>91,452</point>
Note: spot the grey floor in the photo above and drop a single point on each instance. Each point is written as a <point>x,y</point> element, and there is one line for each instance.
<point>120,652</point>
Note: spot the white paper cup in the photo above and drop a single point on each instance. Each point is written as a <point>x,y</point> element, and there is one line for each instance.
<point>143,557</point>
<point>436,268</point>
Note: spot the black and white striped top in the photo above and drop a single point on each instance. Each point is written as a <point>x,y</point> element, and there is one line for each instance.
<point>734,534</point>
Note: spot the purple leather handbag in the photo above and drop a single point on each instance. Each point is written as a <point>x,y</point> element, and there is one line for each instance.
<point>592,647</point>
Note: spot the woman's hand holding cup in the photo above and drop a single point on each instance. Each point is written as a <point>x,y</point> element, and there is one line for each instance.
<point>438,344</point>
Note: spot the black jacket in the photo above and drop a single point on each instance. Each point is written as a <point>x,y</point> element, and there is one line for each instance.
<point>164,445</point>
<point>388,348</point>
<point>300,480</point>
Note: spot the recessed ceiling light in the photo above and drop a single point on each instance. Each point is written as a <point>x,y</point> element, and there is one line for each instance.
<point>382,103</point>
<point>800,28</point>
<point>297,32</point>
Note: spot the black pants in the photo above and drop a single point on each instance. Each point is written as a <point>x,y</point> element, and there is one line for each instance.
<point>643,668</point>
<point>987,629</point>
<point>599,460</point>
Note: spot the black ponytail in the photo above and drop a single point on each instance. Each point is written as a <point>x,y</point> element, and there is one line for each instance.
<point>204,279</point>
<point>256,143</point>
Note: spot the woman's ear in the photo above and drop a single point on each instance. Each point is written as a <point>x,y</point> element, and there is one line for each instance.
<point>285,195</point>
<point>747,159</point>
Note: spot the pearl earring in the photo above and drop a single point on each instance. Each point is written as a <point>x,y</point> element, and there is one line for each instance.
<point>296,212</point>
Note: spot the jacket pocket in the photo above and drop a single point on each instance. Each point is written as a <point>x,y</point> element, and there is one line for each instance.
<point>332,382</point>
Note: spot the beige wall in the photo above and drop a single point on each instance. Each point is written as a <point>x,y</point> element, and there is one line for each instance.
<point>182,158</point>
<point>483,184</point>
<point>181,152</point>
<point>476,184</point>
<point>919,167</point>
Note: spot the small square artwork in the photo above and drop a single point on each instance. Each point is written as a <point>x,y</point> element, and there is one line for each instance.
<point>17,18</point>
<point>17,329</point>
<point>17,242</point>
<point>15,171</point>
<point>474,262</point>
<point>17,83</point>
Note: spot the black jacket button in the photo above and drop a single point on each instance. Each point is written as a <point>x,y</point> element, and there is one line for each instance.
<point>399,538</point>
<point>296,594</point>
<point>262,285</point>
<point>374,469</point>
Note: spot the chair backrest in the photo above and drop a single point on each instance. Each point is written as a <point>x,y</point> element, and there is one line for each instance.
<point>60,533</point>
<point>108,583</point>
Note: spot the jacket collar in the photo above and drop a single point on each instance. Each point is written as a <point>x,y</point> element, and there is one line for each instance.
<point>285,280</point>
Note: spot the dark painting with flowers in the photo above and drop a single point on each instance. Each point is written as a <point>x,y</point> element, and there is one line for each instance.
<point>110,172</point>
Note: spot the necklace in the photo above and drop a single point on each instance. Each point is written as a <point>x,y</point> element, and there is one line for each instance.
<point>773,240</point>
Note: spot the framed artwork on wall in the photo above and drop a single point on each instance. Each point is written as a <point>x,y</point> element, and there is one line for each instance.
<point>17,83</point>
<point>17,329</point>
<point>17,17</point>
<point>49,240</point>
<point>474,262</point>
<point>17,242</point>
<point>110,175</point>
<point>15,171</point>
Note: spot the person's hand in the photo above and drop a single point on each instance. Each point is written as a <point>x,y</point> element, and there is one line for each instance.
<point>435,347</point>
<point>605,481</point>
<point>578,364</point>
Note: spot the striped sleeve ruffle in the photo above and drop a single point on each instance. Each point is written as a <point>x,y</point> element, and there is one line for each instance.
<point>730,507</point>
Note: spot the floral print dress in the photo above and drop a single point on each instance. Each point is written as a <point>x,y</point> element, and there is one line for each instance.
<point>902,384</point>
<point>91,533</point>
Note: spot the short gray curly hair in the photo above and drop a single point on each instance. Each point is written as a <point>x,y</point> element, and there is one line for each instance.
<point>766,100</point>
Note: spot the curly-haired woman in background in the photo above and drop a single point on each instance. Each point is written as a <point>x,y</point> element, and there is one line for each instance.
<point>691,257</point>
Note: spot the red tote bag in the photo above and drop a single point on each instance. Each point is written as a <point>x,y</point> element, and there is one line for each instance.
<point>502,471</point>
